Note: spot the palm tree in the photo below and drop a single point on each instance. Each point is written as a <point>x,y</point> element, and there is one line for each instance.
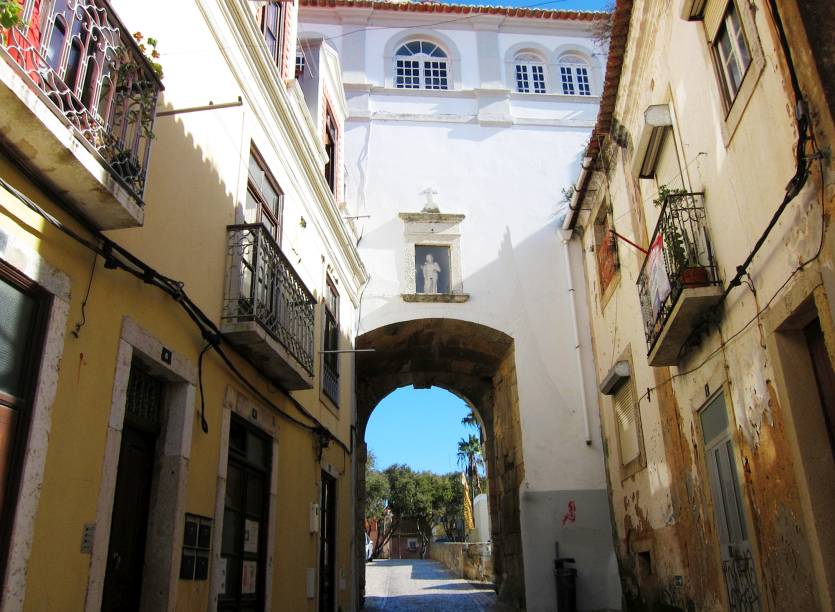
<point>470,420</point>
<point>471,459</point>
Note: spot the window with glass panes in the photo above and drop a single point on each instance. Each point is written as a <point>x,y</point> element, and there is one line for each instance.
<point>421,65</point>
<point>264,198</point>
<point>243,557</point>
<point>731,53</point>
<point>330,150</point>
<point>272,25</point>
<point>23,310</point>
<point>530,74</point>
<point>574,77</point>
<point>330,363</point>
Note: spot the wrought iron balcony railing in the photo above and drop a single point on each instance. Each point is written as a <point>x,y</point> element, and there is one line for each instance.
<point>79,55</point>
<point>680,257</point>
<point>263,287</point>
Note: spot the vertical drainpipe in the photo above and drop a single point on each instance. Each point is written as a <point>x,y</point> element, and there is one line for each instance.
<point>567,232</point>
<point>566,236</point>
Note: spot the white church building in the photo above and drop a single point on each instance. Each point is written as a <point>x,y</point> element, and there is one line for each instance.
<point>464,126</point>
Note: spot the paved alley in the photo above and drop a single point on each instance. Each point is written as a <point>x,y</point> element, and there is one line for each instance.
<point>413,584</point>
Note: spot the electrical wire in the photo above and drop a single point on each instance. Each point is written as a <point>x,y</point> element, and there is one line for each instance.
<point>117,257</point>
<point>83,320</point>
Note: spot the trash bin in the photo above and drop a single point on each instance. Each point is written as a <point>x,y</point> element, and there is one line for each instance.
<point>566,579</point>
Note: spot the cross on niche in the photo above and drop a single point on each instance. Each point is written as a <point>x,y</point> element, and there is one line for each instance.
<point>431,206</point>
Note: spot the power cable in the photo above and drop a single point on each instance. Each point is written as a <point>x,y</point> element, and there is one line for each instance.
<point>117,257</point>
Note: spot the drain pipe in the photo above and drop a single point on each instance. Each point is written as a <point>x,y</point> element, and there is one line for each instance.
<point>566,236</point>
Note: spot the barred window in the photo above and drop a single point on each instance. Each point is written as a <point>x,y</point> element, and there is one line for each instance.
<point>574,76</point>
<point>421,65</point>
<point>530,74</point>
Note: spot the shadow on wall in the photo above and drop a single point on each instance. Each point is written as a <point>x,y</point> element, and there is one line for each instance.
<point>194,197</point>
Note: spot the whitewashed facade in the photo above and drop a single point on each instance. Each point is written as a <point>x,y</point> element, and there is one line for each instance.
<point>493,161</point>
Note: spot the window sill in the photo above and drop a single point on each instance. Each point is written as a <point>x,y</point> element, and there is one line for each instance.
<point>553,96</point>
<point>444,298</point>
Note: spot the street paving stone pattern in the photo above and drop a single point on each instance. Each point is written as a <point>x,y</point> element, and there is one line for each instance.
<point>412,585</point>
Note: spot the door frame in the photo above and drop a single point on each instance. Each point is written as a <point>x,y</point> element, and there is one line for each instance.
<point>807,298</point>
<point>29,265</point>
<point>738,466</point>
<point>167,509</point>
<point>265,421</point>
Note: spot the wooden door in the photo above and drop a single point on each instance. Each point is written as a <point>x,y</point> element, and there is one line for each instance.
<point>132,496</point>
<point>731,524</point>
<point>327,545</point>
<point>129,525</point>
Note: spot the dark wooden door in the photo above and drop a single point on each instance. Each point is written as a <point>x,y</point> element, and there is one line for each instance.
<point>327,545</point>
<point>129,525</point>
<point>824,376</point>
<point>246,509</point>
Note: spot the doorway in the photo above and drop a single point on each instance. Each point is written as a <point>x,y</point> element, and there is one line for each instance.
<point>327,544</point>
<point>244,539</point>
<point>732,527</point>
<point>132,496</point>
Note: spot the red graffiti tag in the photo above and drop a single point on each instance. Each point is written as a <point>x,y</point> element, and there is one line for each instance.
<point>571,515</point>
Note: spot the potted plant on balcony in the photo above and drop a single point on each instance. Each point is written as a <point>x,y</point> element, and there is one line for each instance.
<point>682,252</point>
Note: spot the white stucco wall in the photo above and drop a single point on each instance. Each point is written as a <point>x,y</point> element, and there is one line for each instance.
<point>501,159</point>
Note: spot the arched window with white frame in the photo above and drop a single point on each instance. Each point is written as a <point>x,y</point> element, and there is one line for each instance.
<point>574,76</point>
<point>530,73</point>
<point>421,64</point>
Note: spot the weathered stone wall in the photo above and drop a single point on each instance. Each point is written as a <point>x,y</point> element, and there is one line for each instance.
<point>506,472</point>
<point>471,561</point>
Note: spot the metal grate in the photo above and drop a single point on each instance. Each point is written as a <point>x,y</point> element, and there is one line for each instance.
<point>681,256</point>
<point>262,286</point>
<point>80,58</point>
<point>144,399</point>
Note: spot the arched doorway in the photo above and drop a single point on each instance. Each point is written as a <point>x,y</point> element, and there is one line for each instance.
<point>476,363</point>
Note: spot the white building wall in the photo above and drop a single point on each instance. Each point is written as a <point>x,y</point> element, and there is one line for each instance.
<point>501,159</point>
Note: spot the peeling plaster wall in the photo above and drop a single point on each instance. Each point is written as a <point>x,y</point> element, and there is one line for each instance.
<point>663,514</point>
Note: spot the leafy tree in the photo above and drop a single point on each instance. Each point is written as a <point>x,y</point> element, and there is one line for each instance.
<point>471,460</point>
<point>449,506</point>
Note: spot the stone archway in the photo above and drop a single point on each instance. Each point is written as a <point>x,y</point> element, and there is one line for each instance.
<point>476,363</point>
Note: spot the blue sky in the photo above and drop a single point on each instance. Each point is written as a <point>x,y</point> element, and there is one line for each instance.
<point>580,5</point>
<point>418,427</point>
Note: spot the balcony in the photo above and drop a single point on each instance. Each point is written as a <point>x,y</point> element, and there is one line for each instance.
<point>79,101</point>
<point>268,313</point>
<point>678,282</point>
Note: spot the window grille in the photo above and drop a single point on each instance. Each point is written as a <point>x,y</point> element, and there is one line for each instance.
<point>143,404</point>
<point>421,65</point>
<point>530,74</point>
<point>574,77</point>
<point>95,76</point>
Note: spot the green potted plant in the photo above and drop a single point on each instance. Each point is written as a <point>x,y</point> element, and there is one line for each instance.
<point>690,272</point>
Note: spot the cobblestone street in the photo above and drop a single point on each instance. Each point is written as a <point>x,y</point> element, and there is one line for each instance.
<point>410,585</point>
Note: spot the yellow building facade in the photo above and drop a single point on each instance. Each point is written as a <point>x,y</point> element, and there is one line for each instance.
<point>703,208</point>
<point>179,291</point>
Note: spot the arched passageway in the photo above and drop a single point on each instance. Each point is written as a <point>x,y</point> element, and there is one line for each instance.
<point>476,363</point>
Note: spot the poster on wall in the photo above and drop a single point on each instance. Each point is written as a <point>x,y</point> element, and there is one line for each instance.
<point>249,577</point>
<point>659,282</point>
<point>221,566</point>
<point>251,536</point>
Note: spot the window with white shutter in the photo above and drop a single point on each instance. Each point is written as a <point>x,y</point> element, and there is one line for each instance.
<point>627,424</point>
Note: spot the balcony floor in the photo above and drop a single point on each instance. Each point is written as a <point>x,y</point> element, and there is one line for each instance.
<point>690,307</point>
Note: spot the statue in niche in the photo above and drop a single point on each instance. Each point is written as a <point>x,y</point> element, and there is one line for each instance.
<point>431,269</point>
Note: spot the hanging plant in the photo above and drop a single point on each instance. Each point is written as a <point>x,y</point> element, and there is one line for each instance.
<point>10,11</point>
<point>152,55</point>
